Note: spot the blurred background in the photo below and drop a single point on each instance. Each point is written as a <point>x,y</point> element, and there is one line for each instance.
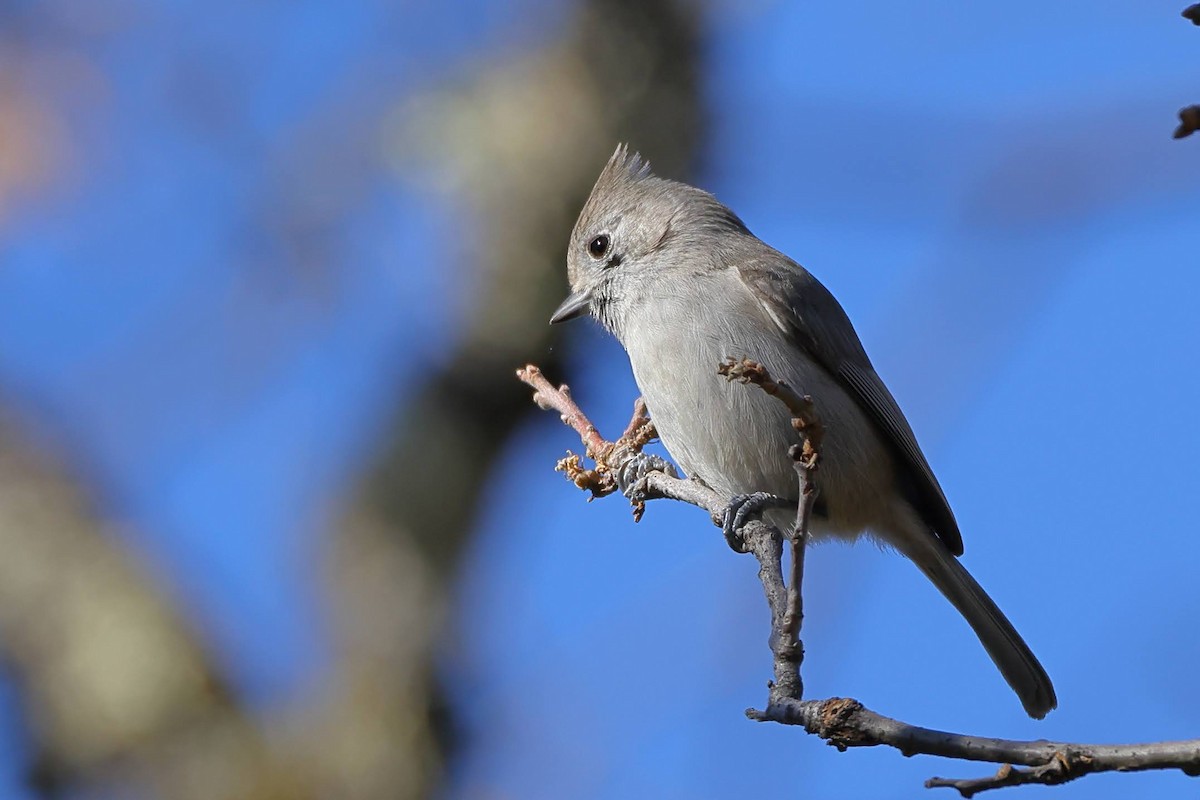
<point>277,521</point>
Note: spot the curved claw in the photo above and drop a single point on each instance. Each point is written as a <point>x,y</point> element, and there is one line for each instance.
<point>740,510</point>
<point>634,471</point>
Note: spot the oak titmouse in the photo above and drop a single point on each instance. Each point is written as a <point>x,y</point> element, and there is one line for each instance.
<point>683,284</point>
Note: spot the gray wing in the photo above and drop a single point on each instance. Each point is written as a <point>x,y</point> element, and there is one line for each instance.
<point>805,310</point>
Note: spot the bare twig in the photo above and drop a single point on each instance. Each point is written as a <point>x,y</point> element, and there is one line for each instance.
<point>843,722</point>
<point>793,617</point>
<point>547,396</point>
<point>609,457</point>
<point>640,428</point>
<point>744,370</point>
<point>805,457</point>
<point>1057,770</point>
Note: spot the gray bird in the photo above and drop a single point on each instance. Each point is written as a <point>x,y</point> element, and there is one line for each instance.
<point>683,284</point>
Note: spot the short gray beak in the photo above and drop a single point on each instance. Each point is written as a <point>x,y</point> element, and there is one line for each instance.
<point>574,306</point>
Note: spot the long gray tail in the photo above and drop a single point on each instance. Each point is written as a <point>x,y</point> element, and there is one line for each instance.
<point>1016,661</point>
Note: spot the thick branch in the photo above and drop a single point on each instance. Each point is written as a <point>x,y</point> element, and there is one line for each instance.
<point>847,723</point>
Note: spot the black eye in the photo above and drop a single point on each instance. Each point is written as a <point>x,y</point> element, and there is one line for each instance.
<point>598,246</point>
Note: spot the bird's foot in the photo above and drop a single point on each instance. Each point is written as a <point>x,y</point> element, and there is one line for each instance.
<point>633,472</point>
<point>740,510</point>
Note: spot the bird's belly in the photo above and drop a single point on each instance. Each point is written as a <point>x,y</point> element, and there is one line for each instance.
<point>735,438</point>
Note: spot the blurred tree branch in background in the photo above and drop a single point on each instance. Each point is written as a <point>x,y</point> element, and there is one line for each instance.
<point>519,147</point>
<point>113,686</point>
<point>119,694</point>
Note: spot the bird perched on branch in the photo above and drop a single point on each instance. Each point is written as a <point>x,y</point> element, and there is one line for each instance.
<point>683,285</point>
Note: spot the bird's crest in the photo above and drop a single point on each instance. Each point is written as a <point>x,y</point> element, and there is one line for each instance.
<point>623,168</point>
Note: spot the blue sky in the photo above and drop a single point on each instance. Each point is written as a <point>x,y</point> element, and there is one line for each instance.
<point>990,190</point>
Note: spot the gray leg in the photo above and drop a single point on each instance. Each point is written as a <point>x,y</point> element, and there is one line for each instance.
<point>741,509</point>
<point>638,467</point>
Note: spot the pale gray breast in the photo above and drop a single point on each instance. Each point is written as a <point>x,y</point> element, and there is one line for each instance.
<point>733,437</point>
